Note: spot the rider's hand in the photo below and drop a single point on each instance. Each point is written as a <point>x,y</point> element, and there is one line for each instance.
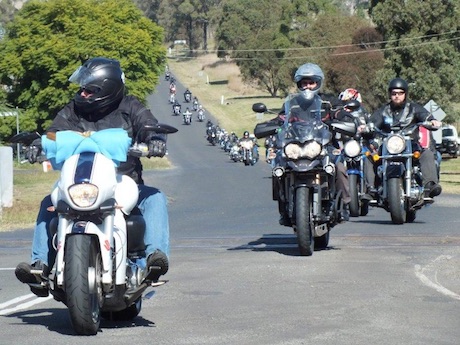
<point>157,148</point>
<point>436,123</point>
<point>33,151</point>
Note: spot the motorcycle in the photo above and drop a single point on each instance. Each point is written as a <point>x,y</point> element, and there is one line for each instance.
<point>200,115</point>
<point>211,135</point>
<point>188,118</point>
<point>303,176</point>
<point>176,110</point>
<point>401,192</point>
<point>100,268</point>
<point>235,153</point>
<point>187,97</point>
<point>195,105</point>
<point>355,154</point>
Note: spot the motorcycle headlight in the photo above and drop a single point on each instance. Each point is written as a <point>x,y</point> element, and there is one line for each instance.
<point>395,144</point>
<point>292,151</point>
<point>309,150</point>
<point>84,194</point>
<point>352,148</point>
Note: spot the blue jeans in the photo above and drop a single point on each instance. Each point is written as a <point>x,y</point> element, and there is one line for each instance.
<point>151,203</point>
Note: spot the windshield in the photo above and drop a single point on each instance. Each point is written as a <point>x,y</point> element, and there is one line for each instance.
<point>302,121</point>
<point>447,132</point>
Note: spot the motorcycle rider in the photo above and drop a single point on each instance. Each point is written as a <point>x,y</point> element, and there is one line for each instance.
<point>401,110</point>
<point>309,79</point>
<point>176,108</point>
<point>100,104</point>
<point>187,95</point>
<point>186,114</point>
<point>352,111</point>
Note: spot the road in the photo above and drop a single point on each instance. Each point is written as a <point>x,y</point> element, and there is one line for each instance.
<point>236,276</point>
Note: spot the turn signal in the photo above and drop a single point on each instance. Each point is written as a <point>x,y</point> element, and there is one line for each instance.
<point>417,154</point>
<point>375,157</point>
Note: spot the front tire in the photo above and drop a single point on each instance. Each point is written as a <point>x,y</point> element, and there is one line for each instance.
<point>396,200</point>
<point>303,221</point>
<point>82,283</point>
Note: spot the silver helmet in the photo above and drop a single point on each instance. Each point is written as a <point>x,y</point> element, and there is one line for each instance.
<point>309,71</point>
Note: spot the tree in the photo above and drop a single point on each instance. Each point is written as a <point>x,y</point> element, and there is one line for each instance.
<point>47,41</point>
<point>421,46</point>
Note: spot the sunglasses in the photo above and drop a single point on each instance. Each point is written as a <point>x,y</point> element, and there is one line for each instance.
<point>397,93</point>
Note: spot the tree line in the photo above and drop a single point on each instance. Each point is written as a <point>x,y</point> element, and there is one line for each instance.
<point>359,44</point>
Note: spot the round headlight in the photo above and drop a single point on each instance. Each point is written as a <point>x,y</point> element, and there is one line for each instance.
<point>84,194</point>
<point>311,150</point>
<point>352,148</point>
<point>292,151</point>
<point>395,144</point>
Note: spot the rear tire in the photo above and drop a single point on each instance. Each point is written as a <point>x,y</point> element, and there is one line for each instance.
<point>354,195</point>
<point>82,283</point>
<point>303,221</point>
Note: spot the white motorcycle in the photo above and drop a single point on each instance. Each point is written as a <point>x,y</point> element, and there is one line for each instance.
<point>99,269</point>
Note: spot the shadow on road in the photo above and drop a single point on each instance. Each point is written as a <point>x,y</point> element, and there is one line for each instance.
<point>280,243</point>
<point>58,320</point>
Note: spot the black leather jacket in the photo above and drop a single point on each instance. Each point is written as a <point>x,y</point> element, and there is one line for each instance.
<point>130,115</point>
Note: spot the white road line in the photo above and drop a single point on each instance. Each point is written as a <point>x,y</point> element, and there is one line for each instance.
<point>16,300</point>
<point>25,305</point>
<point>420,273</point>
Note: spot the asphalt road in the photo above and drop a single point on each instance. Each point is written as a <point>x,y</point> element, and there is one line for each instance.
<point>236,276</point>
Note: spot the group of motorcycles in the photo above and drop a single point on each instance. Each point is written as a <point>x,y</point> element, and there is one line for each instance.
<point>245,149</point>
<point>177,107</point>
<point>303,172</point>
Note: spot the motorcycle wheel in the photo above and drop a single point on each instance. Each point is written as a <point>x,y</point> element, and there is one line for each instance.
<point>354,194</point>
<point>126,314</point>
<point>303,221</point>
<point>82,284</point>
<point>396,200</point>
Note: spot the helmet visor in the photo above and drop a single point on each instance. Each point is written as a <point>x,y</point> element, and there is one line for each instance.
<point>84,76</point>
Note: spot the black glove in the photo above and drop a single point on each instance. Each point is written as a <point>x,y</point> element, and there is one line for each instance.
<point>33,151</point>
<point>157,148</point>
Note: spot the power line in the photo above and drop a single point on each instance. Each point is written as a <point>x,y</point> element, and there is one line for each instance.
<point>362,51</point>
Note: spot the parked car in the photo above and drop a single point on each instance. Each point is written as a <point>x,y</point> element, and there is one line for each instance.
<point>450,142</point>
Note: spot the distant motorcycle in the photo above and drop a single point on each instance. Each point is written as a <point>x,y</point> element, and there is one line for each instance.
<point>200,115</point>
<point>188,97</point>
<point>187,118</point>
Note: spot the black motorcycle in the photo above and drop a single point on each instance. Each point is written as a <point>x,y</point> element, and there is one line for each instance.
<point>303,175</point>
<point>401,192</point>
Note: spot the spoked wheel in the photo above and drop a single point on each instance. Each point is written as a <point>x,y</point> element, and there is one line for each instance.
<point>82,283</point>
<point>396,200</point>
<point>303,221</point>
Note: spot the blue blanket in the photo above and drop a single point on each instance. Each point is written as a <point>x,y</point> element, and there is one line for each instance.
<point>112,143</point>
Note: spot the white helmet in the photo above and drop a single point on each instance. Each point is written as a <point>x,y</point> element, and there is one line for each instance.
<point>309,71</point>
<point>350,95</point>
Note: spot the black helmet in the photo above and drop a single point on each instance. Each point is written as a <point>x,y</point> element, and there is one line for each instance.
<point>398,83</point>
<point>104,79</point>
<point>246,134</point>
